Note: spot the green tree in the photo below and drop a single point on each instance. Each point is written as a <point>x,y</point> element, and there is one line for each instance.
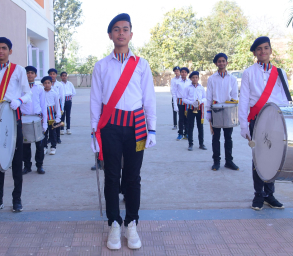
<point>86,68</point>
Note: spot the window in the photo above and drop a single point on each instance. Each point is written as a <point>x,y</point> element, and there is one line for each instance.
<point>36,59</point>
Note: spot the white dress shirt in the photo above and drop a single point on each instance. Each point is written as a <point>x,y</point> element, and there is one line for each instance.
<point>192,93</point>
<point>221,89</point>
<point>58,87</point>
<point>38,103</point>
<point>174,80</point>
<point>18,87</point>
<point>68,88</point>
<point>254,81</point>
<point>178,88</point>
<point>52,99</point>
<point>139,92</point>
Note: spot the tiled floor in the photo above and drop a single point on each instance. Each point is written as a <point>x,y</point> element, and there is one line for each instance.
<point>199,237</point>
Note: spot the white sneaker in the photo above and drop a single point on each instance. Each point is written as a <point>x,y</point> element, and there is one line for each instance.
<point>133,240</point>
<point>52,151</point>
<point>1,206</point>
<point>62,132</point>
<point>114,242</point>
<point>68,131</point>
<point>45,151</point>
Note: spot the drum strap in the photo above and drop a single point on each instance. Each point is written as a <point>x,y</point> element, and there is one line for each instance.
<point>289,98</point>
<point>6,79</point>
<point>114,98</point>
<point>265,95</point>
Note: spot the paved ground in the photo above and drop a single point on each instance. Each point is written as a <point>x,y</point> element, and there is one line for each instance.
<point>187,209</point>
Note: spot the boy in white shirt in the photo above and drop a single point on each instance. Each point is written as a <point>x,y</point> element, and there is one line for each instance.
<point>174,80</point>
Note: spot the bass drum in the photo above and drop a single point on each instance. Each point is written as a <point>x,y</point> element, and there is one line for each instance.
<point>7,135</point>
<point>273,136</point>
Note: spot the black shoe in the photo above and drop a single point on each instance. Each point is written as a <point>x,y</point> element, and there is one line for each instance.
<point>203,147</point>
<point>93,168</point>
<point>190,148</point>
<point>257,202</point>
<point>58,141</point>
<point>40,170</point>
<point>17,206</point>
<point>1,204</point>
<point>273,202</point>
<point>216,166</point>
<point>26,170</point>
<point>231,166</point>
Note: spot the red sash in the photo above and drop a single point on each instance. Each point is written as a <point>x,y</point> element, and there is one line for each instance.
<point>265,95</point>
<point>114,98</point>
<point>6,79</point>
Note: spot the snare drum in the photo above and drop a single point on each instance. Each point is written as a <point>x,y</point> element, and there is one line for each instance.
<point>273,136</point>
<point>32,129</point>
<point>8,131</point>
<point>225,115</point>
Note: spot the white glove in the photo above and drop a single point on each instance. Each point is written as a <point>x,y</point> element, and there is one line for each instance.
<point>58,120</point>
<point>176,108</point>
<point>45,126</point>
<point>209,116</point>
<point>151,140</point>
<point>97,148</point>
<point>195,104</point>
<point>15,104</point>
<point>245,132</point>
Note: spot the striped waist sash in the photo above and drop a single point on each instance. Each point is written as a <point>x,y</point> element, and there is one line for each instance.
<point>51,113</point>
<point>180,101</point>
<point>18,114</point>
<point>69,97</point>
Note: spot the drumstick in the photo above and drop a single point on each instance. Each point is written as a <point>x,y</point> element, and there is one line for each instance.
<point>251,143</point>
<point>211,128</point>
<point>98,177</point>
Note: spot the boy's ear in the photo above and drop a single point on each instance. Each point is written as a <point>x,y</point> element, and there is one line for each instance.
<point>110,35</point>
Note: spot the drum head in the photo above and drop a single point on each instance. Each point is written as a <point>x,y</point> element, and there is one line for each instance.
<point>7,135</point>
<point>29,119</point>
<point>270,135</point>
<point>224,105</point>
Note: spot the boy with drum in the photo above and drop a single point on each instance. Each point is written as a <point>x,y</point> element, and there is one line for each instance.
<point>36,107</point>
<point>194,97</point>
<point>174,80</point>
<point>58,87</point>
<point>53,114</point>
<point>15,89</point>
<point>222,87</point>
<point>260,84</point>
<point>123,108</point>
<point>177,93</point>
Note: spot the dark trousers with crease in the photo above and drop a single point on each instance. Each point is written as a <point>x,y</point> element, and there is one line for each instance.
<point>217,145</point>
<point>174,114</point>
<point>16,166</point>
<point>27,154</point>
<point>260,186</point>
<point>190,119</point>
<point>118,141</point>
<point>182,121</point>
<point>52,135</point>
<point>66,113</point>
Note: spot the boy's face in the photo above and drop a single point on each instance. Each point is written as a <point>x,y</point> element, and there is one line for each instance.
<point>183,74</point>
<point>4,52</point>
<point>64,77</point>
<point>263,52</point>
<point>53,75</point>
<point>31,76</point>
<point>177,72</point>
<point>47,85</point>
<point>195,79</point>
<point>121,33</point>
<point>221,63</point>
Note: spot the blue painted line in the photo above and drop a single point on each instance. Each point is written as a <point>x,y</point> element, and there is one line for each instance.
<point>209,214</point>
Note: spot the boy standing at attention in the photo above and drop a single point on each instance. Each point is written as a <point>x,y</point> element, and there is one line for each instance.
<point>174,80</point>
<point>123,116</point>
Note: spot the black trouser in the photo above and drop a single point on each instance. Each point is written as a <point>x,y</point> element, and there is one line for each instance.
<point>57,133</point>
<point>182,121</point>
<point>260,186</point>
<point>217,146</point>
<point>174,114</point>
<point>27,154</point>
<point>16,167</point>
<point>118,141</point>
<point>52,136</point>
<point>190,119</point>
<point>66,113</point>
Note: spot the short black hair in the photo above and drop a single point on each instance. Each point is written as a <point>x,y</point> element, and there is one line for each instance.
<point>63,73</point>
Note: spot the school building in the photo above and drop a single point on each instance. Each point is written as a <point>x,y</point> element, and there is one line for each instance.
<point>29,24</point>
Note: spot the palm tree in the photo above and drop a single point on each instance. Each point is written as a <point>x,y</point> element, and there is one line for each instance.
<point>290,19</point>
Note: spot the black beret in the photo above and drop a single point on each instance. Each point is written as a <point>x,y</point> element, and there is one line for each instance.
<point>219,55</point>
<point>259,41</point>
<point>45,78</point>
<point>6,41</point>
<point>63,73</point>
<point>119,17</point>
<point>52,70</point>
<point>176,68</point>
<point>186,69</point>
<point>31,68</point>
<point>194,73</point>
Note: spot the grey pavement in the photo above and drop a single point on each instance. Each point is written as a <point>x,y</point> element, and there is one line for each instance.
<point>172,177</point>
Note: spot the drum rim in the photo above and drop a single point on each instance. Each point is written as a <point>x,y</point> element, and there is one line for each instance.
<point>14,137</point>
<point>32,122</point>
<point>231,105</point>
<point>285,143</point>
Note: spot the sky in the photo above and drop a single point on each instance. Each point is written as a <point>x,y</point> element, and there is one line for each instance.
<point>92,34</point>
